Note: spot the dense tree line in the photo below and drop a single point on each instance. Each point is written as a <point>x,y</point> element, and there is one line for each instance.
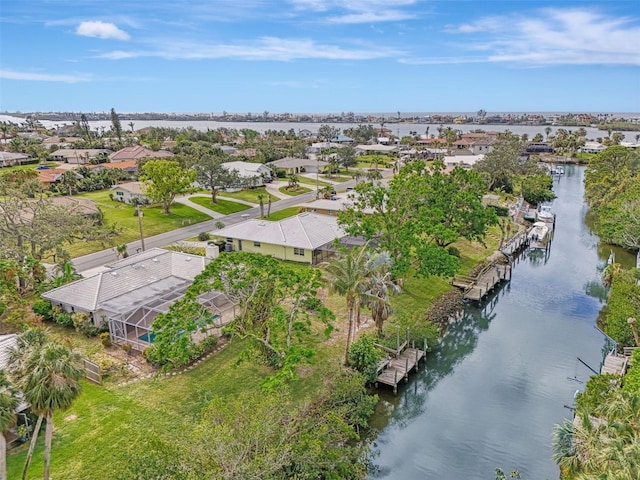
<point>612,191</point>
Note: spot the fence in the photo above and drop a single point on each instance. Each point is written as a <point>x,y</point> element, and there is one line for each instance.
<point>92,371</point>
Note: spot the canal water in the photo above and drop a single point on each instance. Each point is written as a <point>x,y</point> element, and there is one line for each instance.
<point>493,389</point>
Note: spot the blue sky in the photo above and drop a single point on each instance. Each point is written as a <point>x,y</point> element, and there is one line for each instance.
<point>319,55</point>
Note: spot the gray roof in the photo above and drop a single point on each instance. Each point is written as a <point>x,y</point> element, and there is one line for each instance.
<point>134,278</point>
<point>7,343</point>
<point>306,230</point>
<point>9,156</point>
<point>291,162</point>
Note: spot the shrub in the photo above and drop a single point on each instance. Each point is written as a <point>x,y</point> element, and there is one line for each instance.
<point>313,304</point>
<point>364,357</point>
<point>500,210</point>
<point>126,346</point>
<point>105,339</point>
<point>83,324</point>
<point>204,236</point>
<point>63,318</point>
<point>44,309</point>
<point>599,389</point>
<point>453,251</point>
<point>631,381</point>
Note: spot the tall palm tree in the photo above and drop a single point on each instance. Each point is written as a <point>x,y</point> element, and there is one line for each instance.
<point>28,342</point>
<point>49,378</point>
<point>261,198</point>
<point>9,402</point>
<point>379,286</point>
<point>346,275</point>
<point>52,384</point>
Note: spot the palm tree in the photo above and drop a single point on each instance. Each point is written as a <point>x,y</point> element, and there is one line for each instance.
<point>9,402</point>
<point>49,377</point>
<point>28,342</point>
<point>346,275</point>
<point>547,132</point>
<point>268,205</point>
<point>380,285</point>
<point>261,198</point>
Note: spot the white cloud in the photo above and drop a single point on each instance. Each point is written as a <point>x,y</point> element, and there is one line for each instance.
<point>265,48</point>
<point>359,11</point>
<point>101,29</point>
<point>556,37</point>
<point>371,17</point>
<point>43,77</point>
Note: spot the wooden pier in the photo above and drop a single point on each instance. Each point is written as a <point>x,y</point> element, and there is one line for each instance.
<point>515,244</point>
<point>614,363</point>
<point>398,364</point>
<point>476,288</point>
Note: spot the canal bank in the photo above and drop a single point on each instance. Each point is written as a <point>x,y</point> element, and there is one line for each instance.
<point>496,384</point>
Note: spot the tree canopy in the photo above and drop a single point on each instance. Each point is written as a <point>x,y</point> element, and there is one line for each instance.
<point>212,174</point>
<point>421,213</point>
<point>165,179</point>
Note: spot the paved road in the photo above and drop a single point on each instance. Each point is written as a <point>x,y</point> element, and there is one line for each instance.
<point>104,257</point>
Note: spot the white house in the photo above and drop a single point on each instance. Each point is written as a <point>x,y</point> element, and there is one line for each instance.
<point>132,291</point>
<point>592,147</point>
<point>254,173</point>
<point>131,193</point>
<point>305,238</point>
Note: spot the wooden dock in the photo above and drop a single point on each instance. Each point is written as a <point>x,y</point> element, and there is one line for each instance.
<point>394,369</point>
<point>614,363</point>
<point>515,244</point>
<point>476,288</point>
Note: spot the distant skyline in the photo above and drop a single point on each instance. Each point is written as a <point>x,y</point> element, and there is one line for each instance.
<point>320,56</point>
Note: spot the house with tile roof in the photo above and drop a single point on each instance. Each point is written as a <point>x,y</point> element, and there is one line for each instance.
<point>8,159</point>
<point>129,166</point>
<point>253,173</point>
<point>305,238</point>
<point>136,153</point>
<point>79,156</point>
<point>130,293</point>
<point>293,165</point>
<point>130,193</point>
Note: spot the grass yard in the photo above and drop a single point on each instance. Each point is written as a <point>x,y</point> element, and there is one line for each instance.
<point>120,214</point>
<point>309,181</point>
<point>250,195</point>
<point>224,207</point>
<point>31,166</point>
<point>108,424</point>
<point>294,192</point>
<point>337,177</point>
<point>284,213</point>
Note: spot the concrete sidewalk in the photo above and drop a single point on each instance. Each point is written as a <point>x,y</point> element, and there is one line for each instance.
<point>184,200</point>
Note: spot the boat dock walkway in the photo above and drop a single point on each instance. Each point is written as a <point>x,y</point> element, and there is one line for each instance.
<point>476,288</point>
<point>398,364</point>
<point>614,363</point>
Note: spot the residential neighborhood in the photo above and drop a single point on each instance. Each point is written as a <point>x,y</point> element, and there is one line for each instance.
<point>169,265</point>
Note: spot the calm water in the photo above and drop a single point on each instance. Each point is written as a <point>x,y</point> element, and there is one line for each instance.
<point>498,382</point>
<point>400,129</point>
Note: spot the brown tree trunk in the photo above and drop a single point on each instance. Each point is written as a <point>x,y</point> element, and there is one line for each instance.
<point>48,436</point>
<point>32,446</point>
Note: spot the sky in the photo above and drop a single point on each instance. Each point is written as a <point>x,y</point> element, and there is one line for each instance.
<point>321,56</point>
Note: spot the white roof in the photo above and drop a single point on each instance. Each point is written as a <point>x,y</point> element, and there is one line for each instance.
<point>8,343</point>
<point>247,169</point>
<point>460,159</point>
<point>377,148</point>
<point>138,276</point>
<point>306,230</point>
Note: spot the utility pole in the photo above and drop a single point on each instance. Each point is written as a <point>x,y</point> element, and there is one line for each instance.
<point>140,215</point>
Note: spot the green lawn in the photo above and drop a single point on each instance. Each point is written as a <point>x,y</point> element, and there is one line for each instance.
<point>120,214</point>
<point>224,207</point>
<point>105,424</point>
<point>337,177</point>
<point>31,166</point>
<point>250,195</point>
<point>284,213</point>
<point>299,190</point>
<point>309,181</point>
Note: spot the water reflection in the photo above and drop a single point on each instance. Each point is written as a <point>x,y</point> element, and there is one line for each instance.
<point>499,379</point>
